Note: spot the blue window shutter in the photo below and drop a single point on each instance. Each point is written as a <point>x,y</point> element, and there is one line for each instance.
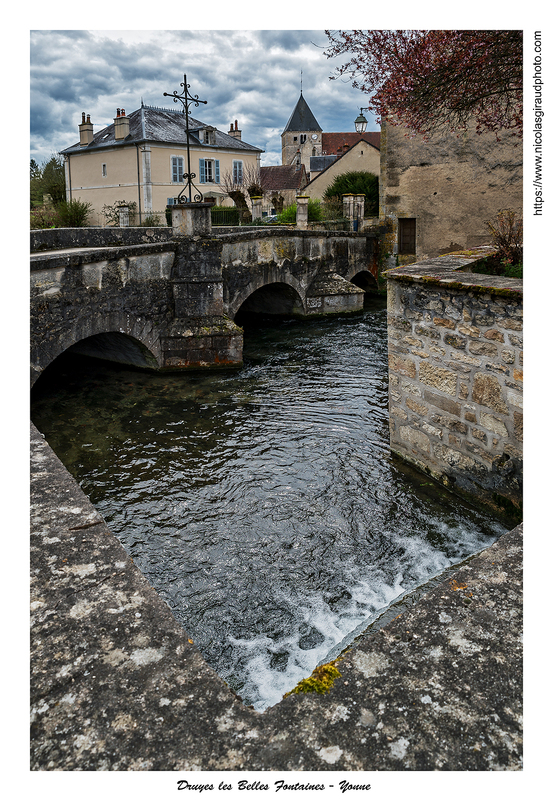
<point>177,169</point>
<point>202,170</point>
<point>237,172</point>
<point>217,171</point>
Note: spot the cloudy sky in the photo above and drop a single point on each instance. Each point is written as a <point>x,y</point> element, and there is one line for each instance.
<point>253,76</point>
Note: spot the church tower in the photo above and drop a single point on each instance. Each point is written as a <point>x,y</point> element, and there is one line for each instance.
<point>302,137</point>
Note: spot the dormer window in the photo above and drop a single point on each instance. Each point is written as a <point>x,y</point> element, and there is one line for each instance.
<point>208,136</point>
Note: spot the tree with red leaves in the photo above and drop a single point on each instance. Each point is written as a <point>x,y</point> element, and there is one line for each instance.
<point>436,81</point>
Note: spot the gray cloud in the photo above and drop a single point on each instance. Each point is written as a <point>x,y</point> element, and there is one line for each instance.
<point>251,76</point>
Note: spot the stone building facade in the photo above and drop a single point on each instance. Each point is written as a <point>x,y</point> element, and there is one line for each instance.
<point>456,376</point>
<point>436,194</point>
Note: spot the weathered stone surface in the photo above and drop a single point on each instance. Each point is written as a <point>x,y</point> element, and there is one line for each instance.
<point>466,319</point>
<point>486,390</point>
<point>493,424</point>
<point>418,408</point>
<point>415,437</point>
<point>439,378</point>
<point>405,366</point>
<point>117,684</point>
<point>483,348</point>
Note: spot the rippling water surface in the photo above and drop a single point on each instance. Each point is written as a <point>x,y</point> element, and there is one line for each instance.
<point>263,504</point>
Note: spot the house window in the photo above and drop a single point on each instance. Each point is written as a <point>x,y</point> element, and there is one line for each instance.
<point>177,169</point>
<point>407,236</point>
<point>104,170</point>
<point>237,172</point>
<point>303,137</point>
<point>209,170</point>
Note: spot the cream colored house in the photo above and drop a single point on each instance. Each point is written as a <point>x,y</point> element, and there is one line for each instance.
<point>142,158</point>
<point>361,157</point>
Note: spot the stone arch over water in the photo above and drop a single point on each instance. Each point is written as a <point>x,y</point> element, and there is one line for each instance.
<point>122,338</point>
<point>365,280</point>
<point>270,299</point>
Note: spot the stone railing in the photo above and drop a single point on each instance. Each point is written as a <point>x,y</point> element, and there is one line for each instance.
<point>455,377</point>
<point>65,238</point>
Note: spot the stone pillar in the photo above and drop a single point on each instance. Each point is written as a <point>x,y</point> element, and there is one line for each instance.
<point>359,202</point>
<point>301,212</point>
<point>347,205</point>
<point>354,209</point>
<point>200,335</point>
<point>124,217</point>
<point>256,207</point>
<point>191,219</point>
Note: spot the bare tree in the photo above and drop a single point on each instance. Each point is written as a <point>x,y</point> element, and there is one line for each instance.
<point>249,183</point>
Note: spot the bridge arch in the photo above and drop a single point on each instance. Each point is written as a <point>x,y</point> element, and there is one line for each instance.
<point>276,298</point>
<point>116,337</point>
<point>365,279</point>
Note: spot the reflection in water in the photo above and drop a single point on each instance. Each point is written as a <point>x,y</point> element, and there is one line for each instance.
<point>263,504</point>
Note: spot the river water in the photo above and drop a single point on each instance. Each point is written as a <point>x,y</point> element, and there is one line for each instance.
<point>263,503</point>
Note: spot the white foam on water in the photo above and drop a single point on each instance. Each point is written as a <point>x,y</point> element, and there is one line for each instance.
<point>265,679</point>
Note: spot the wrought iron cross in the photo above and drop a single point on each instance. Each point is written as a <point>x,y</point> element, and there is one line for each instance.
<point>186,100</point>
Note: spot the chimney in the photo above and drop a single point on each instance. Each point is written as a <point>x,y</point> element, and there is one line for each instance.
<point>85,131</point>
<point>121,125</point>
<point>234,132</point>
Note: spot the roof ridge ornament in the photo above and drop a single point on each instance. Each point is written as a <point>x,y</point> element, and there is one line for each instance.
<point>187,99</point>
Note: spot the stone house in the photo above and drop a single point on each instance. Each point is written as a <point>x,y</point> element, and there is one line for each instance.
<point>142,157</point>
<point>280,186</point>
<point>436,194</point>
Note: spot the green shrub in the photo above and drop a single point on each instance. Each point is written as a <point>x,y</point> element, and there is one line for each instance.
<point>44,217</point>
<point>361,182</point>
<point>225,215</point>
<point>73,213</point>
<point>314,212</point>
<point>152,221</point>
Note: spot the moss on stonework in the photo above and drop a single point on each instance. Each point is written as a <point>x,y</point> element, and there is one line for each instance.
<point>321,680</point>
<point>475,288</point>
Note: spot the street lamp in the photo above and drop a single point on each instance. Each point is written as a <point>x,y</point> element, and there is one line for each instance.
<point>186,99</point>
<point>361,122</point>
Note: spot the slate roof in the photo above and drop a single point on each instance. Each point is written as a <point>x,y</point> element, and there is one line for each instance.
<point>318,163</point>
<point>152,124</point>
<point>302,118</point>
<point>333,143</point>
<point>283,177</point>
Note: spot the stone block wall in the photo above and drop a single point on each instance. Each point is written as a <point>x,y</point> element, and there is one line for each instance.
<point>455,378</point>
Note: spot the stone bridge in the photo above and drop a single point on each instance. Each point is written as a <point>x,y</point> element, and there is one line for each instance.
<point>172,298</point>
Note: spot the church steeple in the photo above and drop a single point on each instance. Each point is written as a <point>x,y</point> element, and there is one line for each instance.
<point>302,118</point>
<point>302,136</point>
